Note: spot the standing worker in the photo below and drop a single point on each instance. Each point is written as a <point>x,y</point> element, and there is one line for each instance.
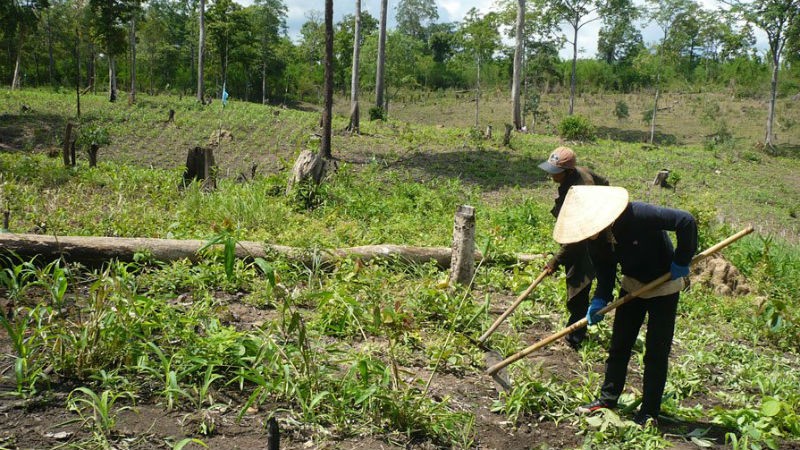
<point>561,165</point>
<point>639,244</point>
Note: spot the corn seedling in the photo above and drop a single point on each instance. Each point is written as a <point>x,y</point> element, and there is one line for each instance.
<point>97,411</point>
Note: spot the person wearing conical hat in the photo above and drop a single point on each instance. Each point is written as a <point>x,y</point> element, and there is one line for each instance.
<point>641,247</point>
<point>562,167</point>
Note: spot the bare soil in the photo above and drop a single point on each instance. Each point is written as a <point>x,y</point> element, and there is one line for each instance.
<point>43,422</point>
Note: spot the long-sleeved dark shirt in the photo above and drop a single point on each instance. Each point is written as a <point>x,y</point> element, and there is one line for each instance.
<point>643,249</point>
<point>578,176</point>
<point>575,257</point>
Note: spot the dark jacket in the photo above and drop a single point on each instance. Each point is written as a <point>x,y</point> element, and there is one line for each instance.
<point>642,247</point>
<point>575,257</point>
<point>578,176</point>
<point>574,252</point>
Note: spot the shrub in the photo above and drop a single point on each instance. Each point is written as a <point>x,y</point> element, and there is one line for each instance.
<point>576,128</point>
<point>621,110</point>
<point>377,113</point>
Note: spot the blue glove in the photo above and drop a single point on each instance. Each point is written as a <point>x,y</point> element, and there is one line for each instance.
<point>592,315</point>
<point>678,271</point>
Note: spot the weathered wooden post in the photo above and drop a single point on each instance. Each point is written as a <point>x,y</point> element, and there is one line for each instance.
<point>67,144</point>
<point>488,133</point>
<point>6,220</point>
<point>200,166</point>
<point>507,136</point>
<point>273,434</point>
<point>462,261</point>
<point>72,157</point>
<point>93,148</point>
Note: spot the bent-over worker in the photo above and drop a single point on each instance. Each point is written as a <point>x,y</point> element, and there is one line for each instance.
<point>640,246</point>
<point>563,169</point>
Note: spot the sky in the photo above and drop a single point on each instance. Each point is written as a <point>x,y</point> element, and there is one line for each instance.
<point>449,11</point>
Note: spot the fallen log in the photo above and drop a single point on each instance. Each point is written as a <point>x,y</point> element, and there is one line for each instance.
<point>95,250</point>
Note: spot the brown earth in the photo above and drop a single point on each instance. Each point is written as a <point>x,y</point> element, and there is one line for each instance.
<point>44,421</point>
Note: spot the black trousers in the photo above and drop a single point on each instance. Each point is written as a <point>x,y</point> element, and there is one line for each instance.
<point>577,305</point>
<point>628,318</point>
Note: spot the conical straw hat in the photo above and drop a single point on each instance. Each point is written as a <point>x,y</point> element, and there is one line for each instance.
<point>588,210</point>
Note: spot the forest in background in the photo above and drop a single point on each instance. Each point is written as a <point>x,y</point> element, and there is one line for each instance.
<point>153,47</point>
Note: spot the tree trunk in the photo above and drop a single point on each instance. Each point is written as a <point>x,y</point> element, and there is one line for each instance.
<point>773,92</point>
<point>655,110</point>
<point>478,94</point>
<point>51,68</point>
<point>90,69</point>
<point>112,79</point>
<point>78,72</point>
<point>516,81</point>
<point>132,93</point>
<point>67,143</point>
<point>354,112</point>
<point>201,46</point>
<point>379,82</point>
<point>15,80</point>
<point>93,250</point>
<point>263,82</point>
<point>328,109</point>
<point>573,76</point>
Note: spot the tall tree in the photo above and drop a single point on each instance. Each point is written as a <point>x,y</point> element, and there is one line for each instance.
<point>107,19</point>
<point>779,20</point>
<point>327,111</point>
<point>665,14</point>
<point>519,50</point>
<point>354,113</point>
<point>132,35</point>
<point>381,65</point>
<point>619,39</point>
<point>201,50</point>
<point>270,19</point>
<point>228,30</point>
<point>577,14</point>
<point>479,38</point>
<point>414,16</point>
<point>20,17</point>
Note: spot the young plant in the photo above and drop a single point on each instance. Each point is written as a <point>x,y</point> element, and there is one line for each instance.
<point>97,411</point>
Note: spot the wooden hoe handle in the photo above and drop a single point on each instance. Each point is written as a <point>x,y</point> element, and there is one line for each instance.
<point>516,303</point>
<point>616,304</point>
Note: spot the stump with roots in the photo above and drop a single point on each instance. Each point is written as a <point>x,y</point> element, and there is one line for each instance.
<point>309,168</point>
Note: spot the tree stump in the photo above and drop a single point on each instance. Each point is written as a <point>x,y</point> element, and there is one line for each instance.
<point>661,178</point>
<point>200,166</point>
<point>171,117</point>
<point>67,142</point>
<point>72,159</point>
<point>309,167</point>
<point>507,136</point>
<point>93,155</point>
<point>462,261</point>
<point>488,133</point>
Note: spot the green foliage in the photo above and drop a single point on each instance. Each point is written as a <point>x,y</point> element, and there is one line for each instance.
<point>357,347</point>
<point>377,113</point>
<point>576,128</point>
<point>93,135</point>
<point>621,110</point>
